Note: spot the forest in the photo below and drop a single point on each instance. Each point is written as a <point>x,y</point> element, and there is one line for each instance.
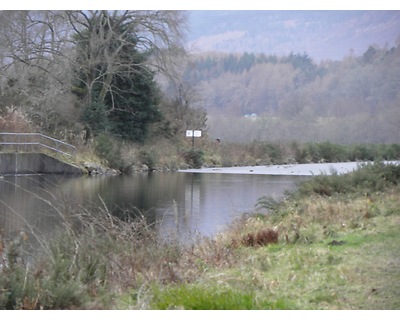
<point>355,100</point>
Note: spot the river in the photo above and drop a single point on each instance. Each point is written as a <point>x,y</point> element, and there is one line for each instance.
<point>183,204</point>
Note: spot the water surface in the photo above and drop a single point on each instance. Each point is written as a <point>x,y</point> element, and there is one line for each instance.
<point>184,205</point>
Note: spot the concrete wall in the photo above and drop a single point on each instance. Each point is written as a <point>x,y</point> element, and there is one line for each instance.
<point>34,163</point>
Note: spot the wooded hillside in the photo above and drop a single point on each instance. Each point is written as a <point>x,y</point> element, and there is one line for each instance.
<point>260,97</point>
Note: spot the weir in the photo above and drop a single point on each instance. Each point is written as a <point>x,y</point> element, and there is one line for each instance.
<point>34,163</point>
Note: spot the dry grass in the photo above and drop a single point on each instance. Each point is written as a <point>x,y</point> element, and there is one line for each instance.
<point>261,238</point>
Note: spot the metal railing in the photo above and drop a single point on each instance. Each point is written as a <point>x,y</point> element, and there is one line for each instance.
<point>29,142</point>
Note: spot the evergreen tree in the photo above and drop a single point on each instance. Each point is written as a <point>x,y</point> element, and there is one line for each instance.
<point>116,88</point>
<point>135,99</point>
<point>95,117</point>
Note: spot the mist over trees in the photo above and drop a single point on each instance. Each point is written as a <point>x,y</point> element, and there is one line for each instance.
<point>265,97</point>
<point>76,74</point>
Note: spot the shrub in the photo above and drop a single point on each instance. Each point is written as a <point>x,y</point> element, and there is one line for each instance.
<point>392,152</point>
<point>269,203</point>
<point>194,157</point>
<point>109,151</point>
<point>330,152</point>
<point>44,283</point>
<point>275,152</point>
<point>300,154</point>
<point>148,157</point>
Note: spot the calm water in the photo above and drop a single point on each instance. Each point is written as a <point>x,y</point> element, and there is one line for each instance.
<point>182,204</point>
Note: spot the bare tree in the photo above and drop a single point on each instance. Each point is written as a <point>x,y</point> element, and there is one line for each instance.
<point>102,36</point>
<point>37,39</point>
<point>34,65</point>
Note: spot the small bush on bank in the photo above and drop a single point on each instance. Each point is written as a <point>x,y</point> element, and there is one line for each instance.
<point>108,150</point>
<point>54,282</point>
<point>194,157</point>
<point>149,157</point>
<point>300,154</point>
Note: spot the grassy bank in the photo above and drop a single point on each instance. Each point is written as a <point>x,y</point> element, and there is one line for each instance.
<point>333,252</point>
<point>162,154</point>
<point>229,154</point>
<point>333,244</point>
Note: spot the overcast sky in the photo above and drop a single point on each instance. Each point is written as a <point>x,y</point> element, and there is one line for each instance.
<point>202,5</point>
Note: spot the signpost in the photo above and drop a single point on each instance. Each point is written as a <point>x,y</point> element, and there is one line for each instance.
<point>193,134</point>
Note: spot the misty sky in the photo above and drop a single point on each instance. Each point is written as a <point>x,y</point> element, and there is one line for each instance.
<point>322,34</point>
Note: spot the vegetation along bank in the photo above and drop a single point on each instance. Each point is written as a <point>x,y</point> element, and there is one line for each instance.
<point>332,244</point>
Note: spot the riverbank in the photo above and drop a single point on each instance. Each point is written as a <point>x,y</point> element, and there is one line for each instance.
<point>332,244</point>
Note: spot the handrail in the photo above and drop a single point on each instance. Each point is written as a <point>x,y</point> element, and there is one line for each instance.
<point>36,140</point>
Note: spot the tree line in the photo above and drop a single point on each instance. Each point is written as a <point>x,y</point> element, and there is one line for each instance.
<point>352,100</point>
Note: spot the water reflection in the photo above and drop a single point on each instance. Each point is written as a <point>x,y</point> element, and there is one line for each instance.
<point>212,201</point>
<point>182,204</point>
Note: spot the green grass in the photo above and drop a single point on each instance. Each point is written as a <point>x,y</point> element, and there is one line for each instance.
<point>200,297</point>
<point>361,273</point>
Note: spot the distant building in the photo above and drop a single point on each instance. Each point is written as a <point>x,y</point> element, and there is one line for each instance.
<point>251,115</point>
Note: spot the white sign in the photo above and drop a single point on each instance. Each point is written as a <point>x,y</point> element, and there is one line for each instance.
<point>197,133</point>
<point>193,133</point>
